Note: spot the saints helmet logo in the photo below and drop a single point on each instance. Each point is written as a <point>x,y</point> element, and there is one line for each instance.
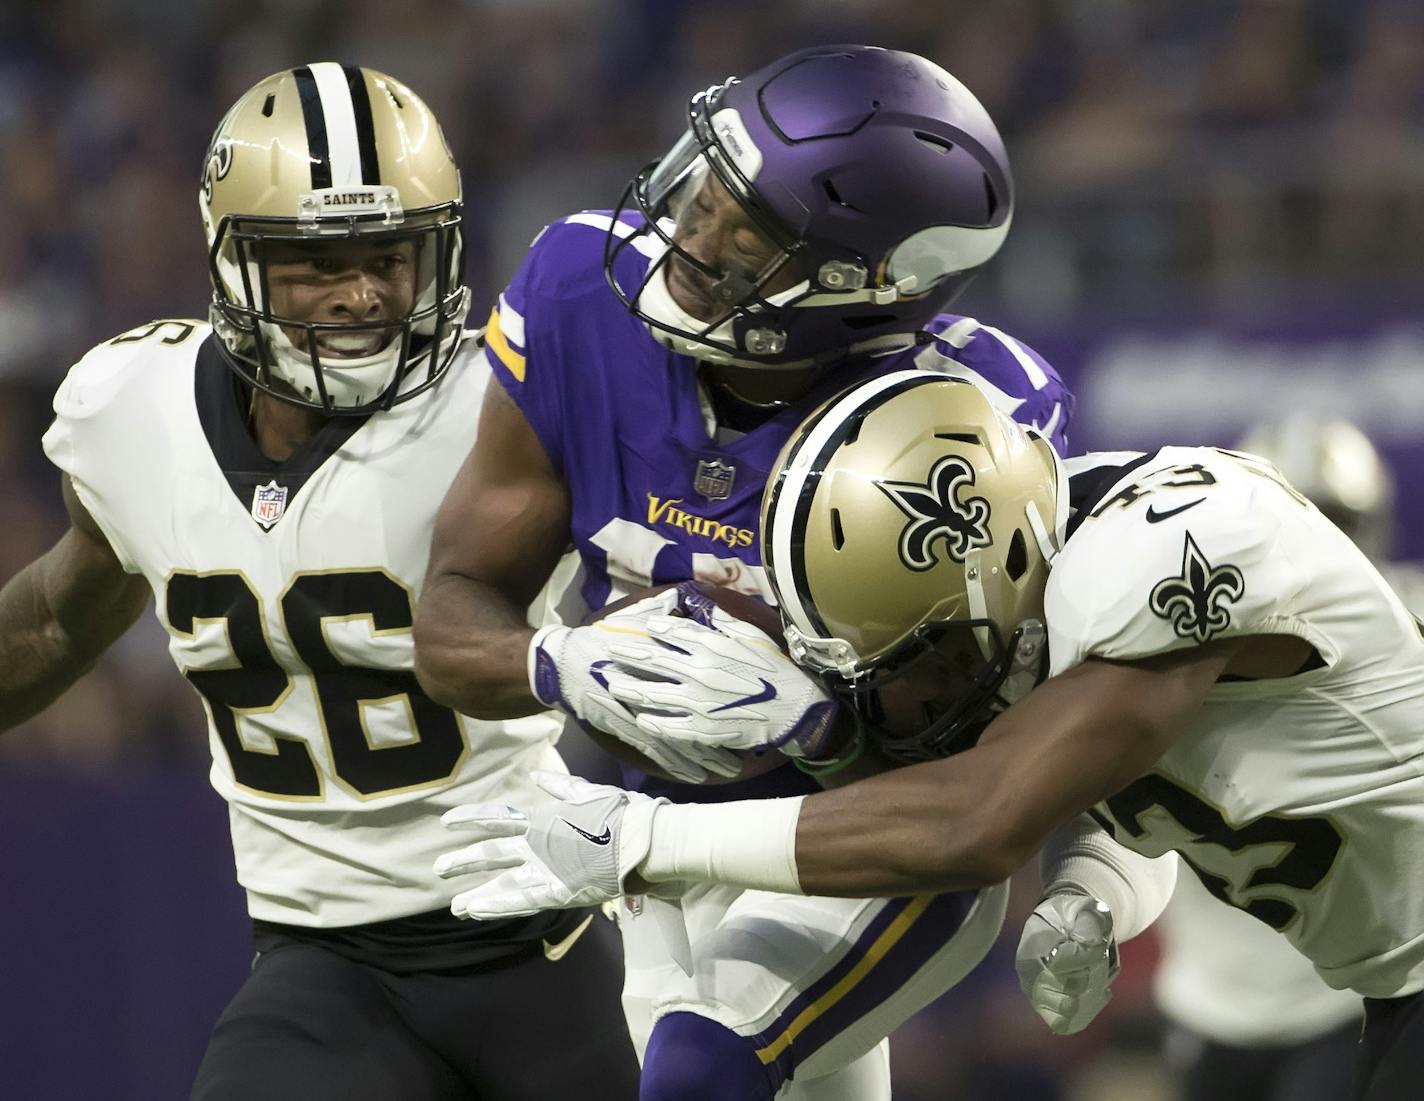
<point>1195,603</point>
<point>218,164</point>
<point>937,513</point>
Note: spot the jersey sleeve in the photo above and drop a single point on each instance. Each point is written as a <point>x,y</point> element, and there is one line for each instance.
<point>89,419</point>
<point>1171,560</point>
<point>523,339</point>
<point>1018,380</point>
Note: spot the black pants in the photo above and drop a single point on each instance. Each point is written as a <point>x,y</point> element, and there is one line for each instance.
<point>1391,1063</point>
<point>1318,1070</point>
<point>311,1025</point>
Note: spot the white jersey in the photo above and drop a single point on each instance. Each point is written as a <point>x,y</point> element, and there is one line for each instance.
<point>287,591</point>
<point>1236,981</point>
<point>1229,977</point>
<point>1300,799</point>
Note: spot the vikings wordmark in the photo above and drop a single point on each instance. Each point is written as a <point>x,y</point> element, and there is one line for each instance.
<point>1195,603</point>
<point>937,513</point>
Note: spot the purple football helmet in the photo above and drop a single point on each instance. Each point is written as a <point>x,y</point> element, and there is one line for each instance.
<point>875,173</point>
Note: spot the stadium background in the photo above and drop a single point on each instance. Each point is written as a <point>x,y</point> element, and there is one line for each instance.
<point>1220,216</point>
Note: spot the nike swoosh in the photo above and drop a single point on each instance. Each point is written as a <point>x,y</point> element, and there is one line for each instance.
<point>597,838</point>
<point>1154,517</point>
<point>768,692</point>
<point>554,952</point>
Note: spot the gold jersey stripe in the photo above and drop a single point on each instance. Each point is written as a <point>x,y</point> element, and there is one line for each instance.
<point>494,337</point>
<point>876,952</point>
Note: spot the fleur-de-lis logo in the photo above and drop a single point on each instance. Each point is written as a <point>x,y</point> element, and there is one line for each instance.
<point>217,165</point>
<point>937,513</point>
<point>1195,603</point>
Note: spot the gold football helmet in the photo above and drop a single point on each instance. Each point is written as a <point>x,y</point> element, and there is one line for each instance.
<point>321,153</point>
<point>1333,463</point>
<point>908,520</point>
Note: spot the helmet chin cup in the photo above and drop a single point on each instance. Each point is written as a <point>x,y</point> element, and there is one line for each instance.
<point>349,382</point>
<point>676,329</point>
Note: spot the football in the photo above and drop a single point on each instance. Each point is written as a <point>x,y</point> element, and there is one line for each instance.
<point>744,607</point>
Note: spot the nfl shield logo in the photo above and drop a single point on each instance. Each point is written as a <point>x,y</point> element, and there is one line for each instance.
<point>269,502</point>
<point>714,479</point>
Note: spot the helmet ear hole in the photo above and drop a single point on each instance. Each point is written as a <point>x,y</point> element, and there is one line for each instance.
<point>1016,561</point>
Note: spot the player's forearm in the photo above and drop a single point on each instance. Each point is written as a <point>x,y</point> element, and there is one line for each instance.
<point>42,649</point>
<point>861,841</point>
<point>965,822</point>
<point>975,818</point>
<point>471,649</point>
<point>1081,856</point>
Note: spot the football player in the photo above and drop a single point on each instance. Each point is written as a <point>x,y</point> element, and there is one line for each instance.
<point>271,478</point>
<point>1251,1020</point>
<point>807,230</point>
<point>1230,679</point>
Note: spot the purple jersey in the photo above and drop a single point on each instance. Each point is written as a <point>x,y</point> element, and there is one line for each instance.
<point>657,494</point>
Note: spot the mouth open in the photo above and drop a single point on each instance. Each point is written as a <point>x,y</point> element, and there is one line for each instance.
<point>351,345</point>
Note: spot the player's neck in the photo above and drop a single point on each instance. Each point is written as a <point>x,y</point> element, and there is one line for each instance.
<point>280,428</point>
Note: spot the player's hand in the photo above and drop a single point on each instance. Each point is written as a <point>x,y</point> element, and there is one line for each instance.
<point>571,668</point>
<point>701,677</point>
<point>574,851</point>
<point>1067,960</point>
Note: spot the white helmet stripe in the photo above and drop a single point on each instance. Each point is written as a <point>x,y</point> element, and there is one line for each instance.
<point>802,466</point>
<point>339,113</point>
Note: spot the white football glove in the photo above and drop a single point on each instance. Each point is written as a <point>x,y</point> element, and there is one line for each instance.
<point>707,678</point>
<point>572,852</point>
<point>1067,960</point>
<point>571,667</point>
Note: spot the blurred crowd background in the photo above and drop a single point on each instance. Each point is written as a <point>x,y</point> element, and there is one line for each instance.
<point>1220,218</point>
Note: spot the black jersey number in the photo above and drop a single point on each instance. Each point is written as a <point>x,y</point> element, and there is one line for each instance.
<point>1310,844</point>
<point>258,684</point>
<point>174,331</point>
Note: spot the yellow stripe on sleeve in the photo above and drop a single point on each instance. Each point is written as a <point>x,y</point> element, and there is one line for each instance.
<point>507,355</point>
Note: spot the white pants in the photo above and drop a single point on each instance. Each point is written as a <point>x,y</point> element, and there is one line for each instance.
<point>816,984</point>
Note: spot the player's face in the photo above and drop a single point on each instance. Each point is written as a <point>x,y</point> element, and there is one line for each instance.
<point>929,686</point>
<point>714,229</point>
<point>342,281</point>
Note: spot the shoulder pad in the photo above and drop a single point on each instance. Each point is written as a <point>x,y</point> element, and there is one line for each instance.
<point>1191,546</point>
<point>1017,379</point>
<point>566,258</point>
<point>106,369</point>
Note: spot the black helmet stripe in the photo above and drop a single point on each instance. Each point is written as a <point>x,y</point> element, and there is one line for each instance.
<point>316,128</point>
<point>341,138</point>
<point>365,129</point>
<point>850,415</point>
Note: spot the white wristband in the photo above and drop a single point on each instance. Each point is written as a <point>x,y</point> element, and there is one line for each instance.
<point>749,844</point>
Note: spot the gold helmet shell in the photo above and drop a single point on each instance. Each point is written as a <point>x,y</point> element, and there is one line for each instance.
<point>905,510</point>
<point>320,152</point>
<point>1333,463</point>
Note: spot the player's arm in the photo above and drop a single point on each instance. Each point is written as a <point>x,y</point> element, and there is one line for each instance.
<point>973,819</point>
<point>965,822</point>
<point>500,531</point>
<point>61,612</point>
